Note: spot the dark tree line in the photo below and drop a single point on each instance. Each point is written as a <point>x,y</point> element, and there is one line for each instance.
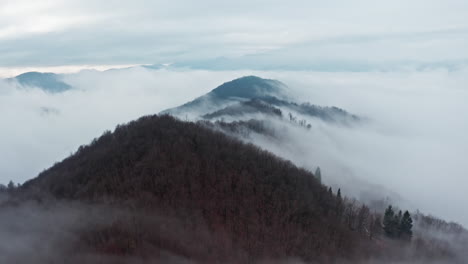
<point>397,225</point>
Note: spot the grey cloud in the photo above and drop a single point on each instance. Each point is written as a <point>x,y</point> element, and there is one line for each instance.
<point>298,35</point>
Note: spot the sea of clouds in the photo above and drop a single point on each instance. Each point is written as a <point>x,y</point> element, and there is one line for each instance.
<point>414,141</point>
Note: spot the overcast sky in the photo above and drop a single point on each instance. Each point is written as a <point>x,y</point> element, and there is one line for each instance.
<point>308,34</point>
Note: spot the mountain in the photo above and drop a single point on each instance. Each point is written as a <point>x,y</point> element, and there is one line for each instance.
<point>248,88</point>
<point>246,203</point>
<point>254,95</point>
<point>245,88</point>
<point>49,82</point>
<point>159,190</point>
<point>265,113</point>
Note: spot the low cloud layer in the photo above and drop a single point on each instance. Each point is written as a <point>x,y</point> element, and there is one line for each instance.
<point>415,142</point>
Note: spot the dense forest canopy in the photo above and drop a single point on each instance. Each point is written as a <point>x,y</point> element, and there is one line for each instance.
<point>247,203</point>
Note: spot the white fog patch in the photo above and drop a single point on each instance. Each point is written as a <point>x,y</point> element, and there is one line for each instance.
<point>415,143</point>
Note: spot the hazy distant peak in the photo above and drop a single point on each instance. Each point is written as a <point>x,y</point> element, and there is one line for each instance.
<point>241,89</point>
<point>249,87</point>
<point>255,95</point>
<point>47,81</point>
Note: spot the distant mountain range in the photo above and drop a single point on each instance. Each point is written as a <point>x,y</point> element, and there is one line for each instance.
<point>49,82</point>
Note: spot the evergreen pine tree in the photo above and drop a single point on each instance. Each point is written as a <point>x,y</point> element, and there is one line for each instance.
<point>390,223</point>
<point>406,225</point>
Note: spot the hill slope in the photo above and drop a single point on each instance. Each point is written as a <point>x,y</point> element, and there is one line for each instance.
<point>252,203</point>
<point>159,190</point>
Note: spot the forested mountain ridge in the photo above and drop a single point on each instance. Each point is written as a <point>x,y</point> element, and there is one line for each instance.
<point>157,178</point>
<point>254,95</point>
<point>258,205</point>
